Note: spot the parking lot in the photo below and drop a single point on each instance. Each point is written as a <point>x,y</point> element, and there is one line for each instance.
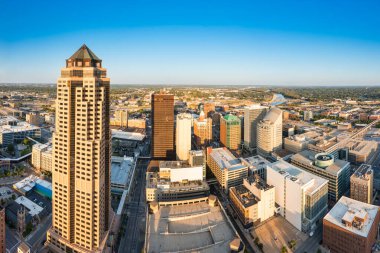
<point>276,233</point>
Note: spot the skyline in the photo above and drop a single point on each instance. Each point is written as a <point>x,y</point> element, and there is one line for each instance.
<point>214,43</point>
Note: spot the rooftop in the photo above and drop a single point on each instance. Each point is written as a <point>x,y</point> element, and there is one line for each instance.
<point>20,126</point>
<point>258,182</point>
<point>32,207</point>
<point>245,196</point>
<point>307,157</point>
<point>231,117</point>
<point>121,169</point>
<point>298,176</point>
<point>257,161</point>
<point>189,228</point>
<point>352,215</point>
<point>273,115</point>
<point>174,164</point>
<point>119,134</point>
<point>363,172</point>
<point>225,159</point>
<point>84,53</point>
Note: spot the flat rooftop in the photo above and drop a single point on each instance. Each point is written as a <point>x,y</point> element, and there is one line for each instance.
<point>298,176</point>
<point>257,161</point>
<point>121,169</point>
<point>363,172</point>
<point>32,207</point>
<point>348,210</point>
<point>20,127</point>
<point>258,182</point>
<point>119,134</point>
<point>245,196</point>
<point>307,157</point>
<point>175,164</point>
<point>225,159</point>
<point>189,228</point>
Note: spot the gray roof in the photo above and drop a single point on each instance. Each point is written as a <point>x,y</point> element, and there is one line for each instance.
<point>84,53</point>
<point>273,115</point>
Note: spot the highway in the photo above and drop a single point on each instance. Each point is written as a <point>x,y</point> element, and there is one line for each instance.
<point>133,225</point>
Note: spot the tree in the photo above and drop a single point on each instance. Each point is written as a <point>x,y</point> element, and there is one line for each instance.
<point>292,244</point>
<point>284,249</point>
<point>26,141</point>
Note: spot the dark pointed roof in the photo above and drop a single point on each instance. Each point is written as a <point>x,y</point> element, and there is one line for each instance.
<point>84,53</point>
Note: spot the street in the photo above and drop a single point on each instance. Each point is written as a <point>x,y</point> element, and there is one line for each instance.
<point>244,235</point>
<point>133,225</point>
<point>312,243</point>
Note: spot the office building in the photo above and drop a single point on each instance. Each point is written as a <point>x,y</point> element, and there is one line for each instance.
<point>361,151</point>
<point>42,157</point>
<point>120,118</point>
<point>302,196</point>
<point>307,115</point>
<point>162,126</point>
<point>361,184</point>
<point>253,201</point>
<point>300,142</point>
<point>230,131</point>
<point>2,229</point>
<point>34,119</point>
<point>183,136</point>
<point>351,226</point>
<point>228,170</point>
<point>198,158</point>
<point>252,116</point>
<point>122,169</point>
<point>81,157</point>
<point>202,130</point>
<point>209,109</point>
<point>269,133</point>
<point>326,166</point>
<point>257,165</point>
<point>175,183</point>
<point>14,131</point>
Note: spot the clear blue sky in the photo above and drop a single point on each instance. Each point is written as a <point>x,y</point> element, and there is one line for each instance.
<point>300,42</point>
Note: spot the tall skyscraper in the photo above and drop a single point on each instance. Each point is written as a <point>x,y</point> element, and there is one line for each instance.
<point>183,136</point>
<point>162,126</point>
<point>230,131</point>
<point>81,156</point>
<point>269,132</point>
<point>202,130</point>
<point>252,116</point>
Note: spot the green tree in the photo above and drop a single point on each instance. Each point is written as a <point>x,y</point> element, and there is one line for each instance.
<point>284,249</point>
<point>26,141</point>
<point>292,244</point>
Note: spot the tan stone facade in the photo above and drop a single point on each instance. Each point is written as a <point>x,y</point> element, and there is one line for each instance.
<point>81,157</point>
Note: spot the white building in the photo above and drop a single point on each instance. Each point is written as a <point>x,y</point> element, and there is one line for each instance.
<point>180,172</point>
<point>183,136</point>
<point>42,157</point>
<point>257,165</point>
<point>302,196</point>
<point>307,115</point>
<point>265,193</point>
<point>252,116</point>
<point>269,132</point>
